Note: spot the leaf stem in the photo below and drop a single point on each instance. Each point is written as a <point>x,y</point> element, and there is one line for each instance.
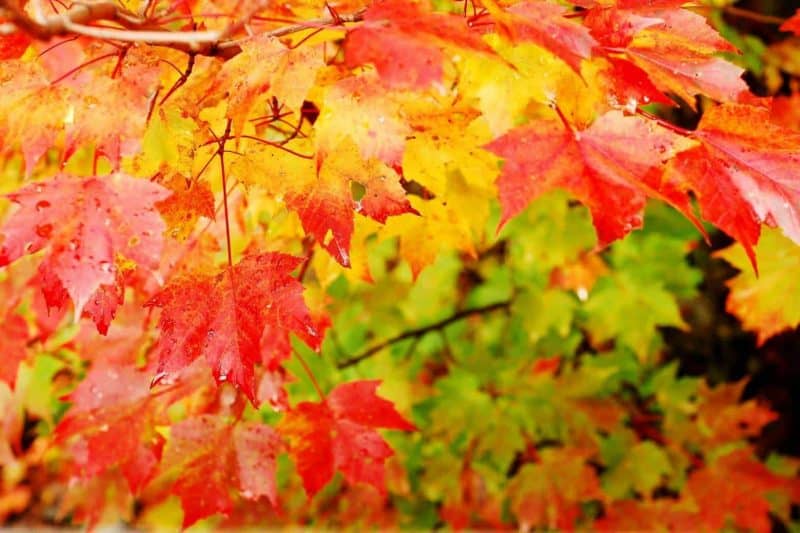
<point>310,375</point>
<point>221,152</point>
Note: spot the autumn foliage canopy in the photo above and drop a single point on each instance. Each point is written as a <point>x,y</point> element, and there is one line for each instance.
<point>377,263</point>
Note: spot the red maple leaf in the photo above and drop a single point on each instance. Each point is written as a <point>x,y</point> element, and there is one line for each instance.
<point>611,167</point>
<point>736,486</point>
<point>339,434</point>
<point>207,453</point>
<point>114,415</point>
<point>405,41</point>
<point>87,224</point>
<point>222,317</point>
<point>544,23</point>
<point>744,173</point>
<point>792,24</point>
<point>675,47</point>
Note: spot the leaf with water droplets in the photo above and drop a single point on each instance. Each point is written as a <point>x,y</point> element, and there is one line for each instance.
<point>675,47</point>
<point>746,172</point>
<point>67,216</point>
<point>222,317</point>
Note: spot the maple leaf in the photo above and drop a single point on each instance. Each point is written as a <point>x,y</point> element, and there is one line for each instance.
<point>792,24</point>
<point>674,47</point>
<point>283,73</point>
<point>189,201</point>
<point>372,115</point>
<point>339,434</point>
<point>549,492</point>
<point>25,86</point>
<point>114,414</point>
<point>405,41</point>
<point>322,194</point>
<point>222,316</point>
<point>107,113</point>
<point>544,23</point>
<point>88,224</point>
<point>207,453</point>
<point>760,301</point>
<point>611,167</point>
<point>736,486</point>
<point>744,173</point>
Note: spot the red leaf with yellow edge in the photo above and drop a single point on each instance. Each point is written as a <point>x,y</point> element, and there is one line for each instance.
<point>14,45</point>
<point>13,346</point>
<point>222,316</point>
<point>545,24</point>
<point>322,195</point>
<point>339,434</point>
<point>611,167</point>
<point>206,452</point>
<point>793,24</point>
<point>735,487</point>
<point>405,41</point>
<point>86,223</point>
<point>746,172</point>
<point>113,413</point>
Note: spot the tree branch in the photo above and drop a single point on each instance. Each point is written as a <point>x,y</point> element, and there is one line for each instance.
<point>419,332</point>
<point>137,29</point>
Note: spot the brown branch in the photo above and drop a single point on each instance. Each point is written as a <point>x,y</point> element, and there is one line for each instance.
<point>419,332</point>
<point>77,20</point>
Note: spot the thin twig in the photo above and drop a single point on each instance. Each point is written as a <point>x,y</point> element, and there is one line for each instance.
<point>134,28</point>
<point>419,332</point>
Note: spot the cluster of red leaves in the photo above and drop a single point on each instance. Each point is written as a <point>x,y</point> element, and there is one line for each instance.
<point>100,240</point>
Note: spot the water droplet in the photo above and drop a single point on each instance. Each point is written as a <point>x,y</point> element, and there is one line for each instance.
<point>222,377</point>
<point>247,494</point>
<point>211,333</point>
<point>646,99</point>
<point>42,204</point>
<point>73,244</point>
<point>159,378</point>
<point>105,266</point>
<point>577,135</point>
<point>104,428</point>
<point>381,119</point>
<point>582,293</point>
<point>38,188</point>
